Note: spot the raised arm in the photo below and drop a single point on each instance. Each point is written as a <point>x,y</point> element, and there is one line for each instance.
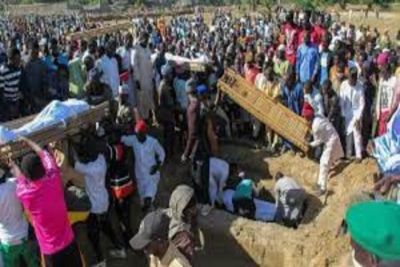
<point>34,146</point>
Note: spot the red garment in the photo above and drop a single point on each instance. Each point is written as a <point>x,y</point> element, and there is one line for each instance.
<point>382,122</point>
<point>291,36</point>
<point>251,74</point>
<point>314,36</point>
<point>319,33</point>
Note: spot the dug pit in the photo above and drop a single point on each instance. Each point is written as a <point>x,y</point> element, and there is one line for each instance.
<point>236,242</point>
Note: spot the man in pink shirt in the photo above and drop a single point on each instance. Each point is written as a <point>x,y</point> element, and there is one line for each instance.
<point>39,188</point>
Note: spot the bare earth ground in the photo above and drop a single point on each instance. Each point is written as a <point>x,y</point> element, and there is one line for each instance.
<point>233,241</point>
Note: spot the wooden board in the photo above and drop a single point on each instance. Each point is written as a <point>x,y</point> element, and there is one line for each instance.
<point>55,132</point>
<point>276,116</point>
<point>99,31</point>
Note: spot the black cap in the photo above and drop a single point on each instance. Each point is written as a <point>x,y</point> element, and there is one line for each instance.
<point>154,226</point>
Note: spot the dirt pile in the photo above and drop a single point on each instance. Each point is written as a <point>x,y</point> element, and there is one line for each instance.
<point>315,242</point>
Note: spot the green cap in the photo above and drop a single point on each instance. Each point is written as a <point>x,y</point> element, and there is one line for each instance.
<point>375,227</point>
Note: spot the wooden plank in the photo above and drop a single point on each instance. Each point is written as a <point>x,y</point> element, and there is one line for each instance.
<point>99,31</point>
<point>55,132</point>
<point>276,116</point>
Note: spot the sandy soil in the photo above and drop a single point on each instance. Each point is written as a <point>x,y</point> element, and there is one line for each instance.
<point>233,241</point>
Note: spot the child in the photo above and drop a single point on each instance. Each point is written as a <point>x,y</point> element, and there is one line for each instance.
<point>40,190</point>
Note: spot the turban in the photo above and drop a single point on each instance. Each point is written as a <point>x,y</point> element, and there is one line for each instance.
<point>308,111</point>
<point>141,127</point>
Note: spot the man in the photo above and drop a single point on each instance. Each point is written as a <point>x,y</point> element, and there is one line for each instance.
<point>313,97</point>
<point>40,190</point>
<point>307,61</point>
<point>10,94</point>
<point>108,66</point>
<point>386,91</point>
<point>290,199</point>
<point>376,243</point>
<point>166,109</point>
<point>143,76</point>
<point>77,78</point>
<point>91,51</point>
<point>331,106</point>
<point>93,166</point>
<point>183,224</point>
<point>126,53</point>
<point>35,80</point>
<point>149,157</point>
<point>267,83</point>
<point>323,133</point>
<point>326,60</point>
<point>192,117</point>
<point>281,64</point>
<point>292,98</point>
<point>219,174</point>
<point>352,104</point>
<point>152,238</point>
<point>13,227</point>
<point>291,32</point>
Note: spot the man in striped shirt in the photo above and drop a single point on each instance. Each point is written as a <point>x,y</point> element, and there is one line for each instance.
<point>10,93</point>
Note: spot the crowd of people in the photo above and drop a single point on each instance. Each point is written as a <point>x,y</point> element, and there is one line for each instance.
<point>342,79</point>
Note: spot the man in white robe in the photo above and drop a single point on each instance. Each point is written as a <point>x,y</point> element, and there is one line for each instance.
<point>108,66</point>
<point>323,133</point>
<point>352,105</point>
<point>149,157</point>
<point>143,75</point>
<point>126,52</point>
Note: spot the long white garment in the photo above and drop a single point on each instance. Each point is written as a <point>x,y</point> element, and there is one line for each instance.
<point>265,211</point>
<point>324,133</point>
<point>110,74</point>
<point>126,55</point>
<point>352,104</point>
<point>13,224</point>
<point>95,183</point>
<point>219,174</point>
<point>145,159</point>
<point>143,73</point>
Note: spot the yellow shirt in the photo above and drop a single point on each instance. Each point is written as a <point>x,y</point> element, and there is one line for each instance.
<point>172,258</point>
<point>271,89</point>
<point>397,73</point>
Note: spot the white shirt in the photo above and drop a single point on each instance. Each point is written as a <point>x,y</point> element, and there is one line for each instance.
<point>260,81</point>
<point>352,103</point>
<point>109,68</point>
<point>315,100</point>
<point>219,174</point>
<point>285,184</point>
<point>13,224</point>
<point>95,183</point>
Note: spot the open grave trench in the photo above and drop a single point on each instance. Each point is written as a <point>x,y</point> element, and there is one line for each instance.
<point>234,241</point>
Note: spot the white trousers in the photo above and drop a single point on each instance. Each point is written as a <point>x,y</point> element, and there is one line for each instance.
<point>354,139</point>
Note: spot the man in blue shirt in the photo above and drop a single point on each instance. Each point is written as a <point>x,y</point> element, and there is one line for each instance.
<point>307,61</point>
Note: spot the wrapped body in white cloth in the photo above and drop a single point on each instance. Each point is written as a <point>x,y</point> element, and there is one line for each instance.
<point>52,114</point>
<point>265,211</point>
